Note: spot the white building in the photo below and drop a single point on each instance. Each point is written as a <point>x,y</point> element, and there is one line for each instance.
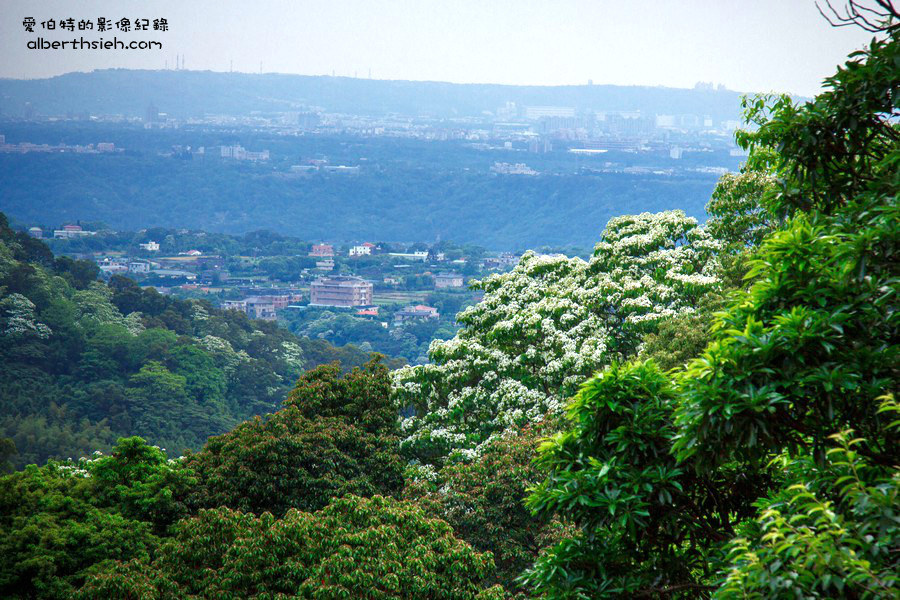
<point>112,268</point>
<point>536,112</point>
<point>344,169</point>
<point>240,305</point>
<point>513,169</point>
<point>71,231</point>
<point>362,250</point>
<point>418,255</point>
<point>238,152</point>
<point>150,246</point>
<point>448,280</point>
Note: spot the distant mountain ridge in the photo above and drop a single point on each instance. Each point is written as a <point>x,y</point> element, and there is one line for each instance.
<point>185,94</point>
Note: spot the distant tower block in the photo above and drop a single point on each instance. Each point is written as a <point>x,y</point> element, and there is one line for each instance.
<point>152,114</point>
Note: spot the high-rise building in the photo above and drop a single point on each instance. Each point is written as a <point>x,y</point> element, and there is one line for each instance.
<point>152,114</point>
<point>308,120</point>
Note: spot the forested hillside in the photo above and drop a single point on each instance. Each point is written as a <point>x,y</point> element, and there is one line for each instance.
<point>84,362</point>
<point>419,202</point>
<point>698,411</point>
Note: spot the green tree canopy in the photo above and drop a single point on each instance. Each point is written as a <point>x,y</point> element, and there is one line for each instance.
<point>332,438</point>
<point>484,502</point>
<point>779,434</point>
<point>374,548</point>
<point>59,521</point>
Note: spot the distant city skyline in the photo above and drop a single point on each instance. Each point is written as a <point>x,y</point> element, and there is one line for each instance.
<point>768,45</point>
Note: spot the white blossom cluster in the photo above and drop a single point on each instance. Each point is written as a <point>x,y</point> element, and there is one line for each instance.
<point>546,326</point>
<point>79,468</point>
<point>95,307</point>
<point>198,312</point>
<point>133,323</point>
<point>18,318</point>
<point>293,356</point>
<point>223,353</point>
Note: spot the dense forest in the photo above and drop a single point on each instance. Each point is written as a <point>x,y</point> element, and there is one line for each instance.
<point>696,411</point>
<point>86,362</point>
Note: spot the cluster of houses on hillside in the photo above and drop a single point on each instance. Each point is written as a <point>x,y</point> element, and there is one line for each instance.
<point>368,249</point>
<point>186,266</point>
<point>262,307</point>
<point>333,292</point>
<point>67,232</point>
<point>124,265</point>
<point>339,280</point>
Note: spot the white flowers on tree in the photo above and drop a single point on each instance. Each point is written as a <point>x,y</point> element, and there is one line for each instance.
<point>95,307</point>
<point>18,320</point>
<point>223,353</point>
<point>546,326</point>
<point>293,356</point>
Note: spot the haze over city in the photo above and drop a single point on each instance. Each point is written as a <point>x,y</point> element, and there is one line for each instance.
<point>770,45</point>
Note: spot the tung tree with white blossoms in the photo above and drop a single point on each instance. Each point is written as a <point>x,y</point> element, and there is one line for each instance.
<point>546,326</point>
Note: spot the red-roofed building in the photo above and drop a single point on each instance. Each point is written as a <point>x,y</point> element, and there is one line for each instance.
<point>322,250</point>
<point>416,312</point>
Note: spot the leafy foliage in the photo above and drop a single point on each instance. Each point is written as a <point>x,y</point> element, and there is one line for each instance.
<point>333,438</point>
<point>841,144</point>
<point>647,524</point>
<point>746,431</point>
<point>483,502</point>
<point>764,467</point>
<point>409,340</point>
<point>682,337</point>
<point>737,211</point>
<point>60,520</point>
<point>832,531</point>
<point>819,310</point>
<point>353,548</point>
<point>362,397</point>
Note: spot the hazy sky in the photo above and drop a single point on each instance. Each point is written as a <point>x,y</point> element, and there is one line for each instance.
<point>748,45</point>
